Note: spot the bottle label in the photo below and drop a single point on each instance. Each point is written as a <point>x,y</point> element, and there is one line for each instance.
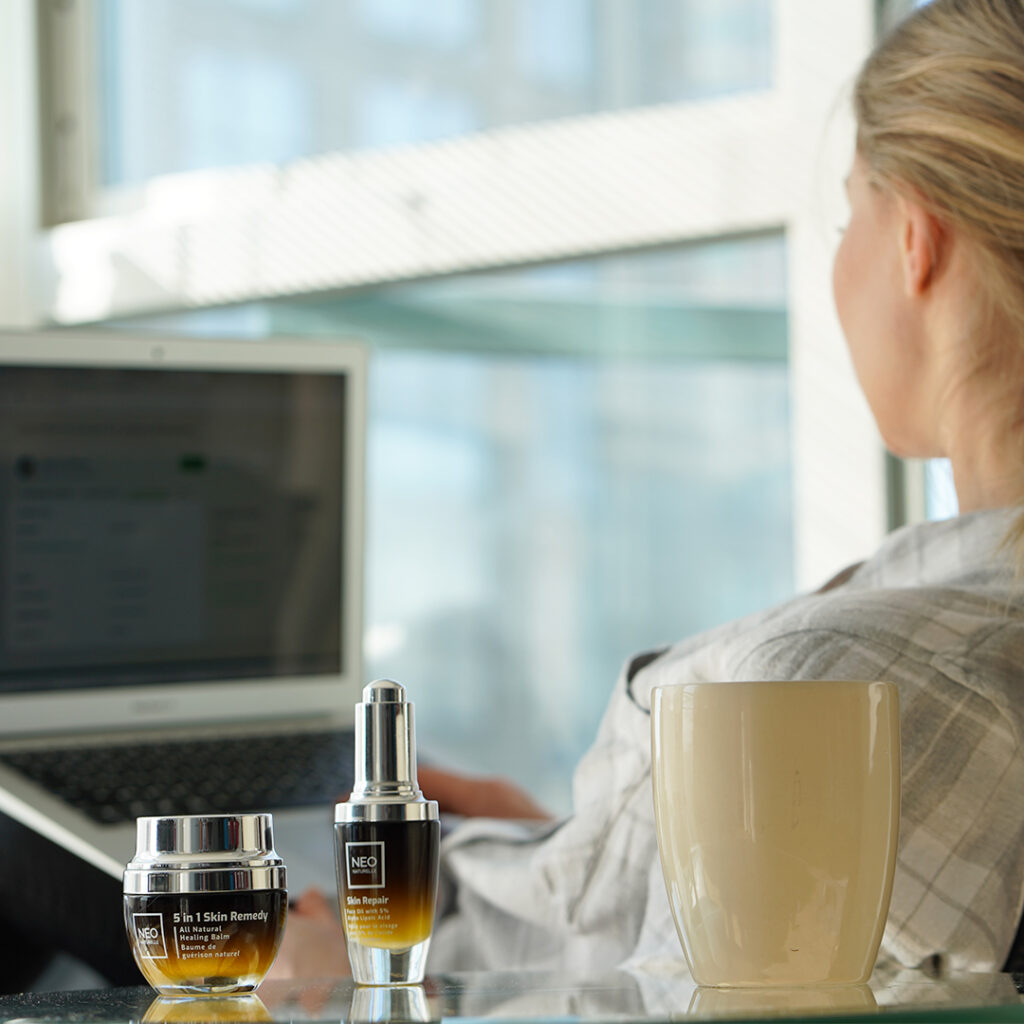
<point>387,881</point>
<point>364,865</point>
<point>205,941</point>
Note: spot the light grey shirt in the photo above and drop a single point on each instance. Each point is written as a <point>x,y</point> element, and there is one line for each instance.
<point>939,610</point>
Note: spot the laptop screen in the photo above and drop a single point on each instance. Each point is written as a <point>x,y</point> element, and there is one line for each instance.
<point>171,525</point>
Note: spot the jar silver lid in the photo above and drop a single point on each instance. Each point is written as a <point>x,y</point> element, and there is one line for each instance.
<point>204,853</point>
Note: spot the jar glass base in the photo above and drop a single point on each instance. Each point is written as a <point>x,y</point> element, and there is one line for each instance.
<point>200,986</point>
<point>372,965</point>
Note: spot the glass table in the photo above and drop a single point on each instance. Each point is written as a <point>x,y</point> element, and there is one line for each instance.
<point>665,994</point>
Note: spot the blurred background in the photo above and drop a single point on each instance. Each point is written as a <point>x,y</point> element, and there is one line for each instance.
<point>588,243</point>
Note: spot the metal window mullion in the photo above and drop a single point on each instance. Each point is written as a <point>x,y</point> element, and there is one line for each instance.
<point>19,167</point>
<point>839,495</point>
<point>68,117</point>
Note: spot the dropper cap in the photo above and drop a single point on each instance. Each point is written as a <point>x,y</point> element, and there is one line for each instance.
<point>385,787</point>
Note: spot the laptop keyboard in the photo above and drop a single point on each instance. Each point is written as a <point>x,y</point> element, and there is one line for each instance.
<point>114,784</point>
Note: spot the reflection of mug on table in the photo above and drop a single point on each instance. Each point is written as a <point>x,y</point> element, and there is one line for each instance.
<point>778,1001</point>
<point>777,810</point>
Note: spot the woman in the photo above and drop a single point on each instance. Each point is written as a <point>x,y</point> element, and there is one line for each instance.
<point>929,286</point>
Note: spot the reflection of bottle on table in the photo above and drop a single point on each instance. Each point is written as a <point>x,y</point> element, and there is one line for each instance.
<point>396,1004</point>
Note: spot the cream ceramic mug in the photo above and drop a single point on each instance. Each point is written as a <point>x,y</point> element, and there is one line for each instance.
<point>777,811</point>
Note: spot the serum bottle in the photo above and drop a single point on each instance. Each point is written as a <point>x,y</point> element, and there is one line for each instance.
<point>387,838</point>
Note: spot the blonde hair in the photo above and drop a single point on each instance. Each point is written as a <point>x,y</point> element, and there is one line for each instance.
<point>940,109</point>
<point>940,113</point>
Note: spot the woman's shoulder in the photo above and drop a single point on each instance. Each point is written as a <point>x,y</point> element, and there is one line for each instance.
<point>938,600</point>
<point>971,548</point>
<point>971,630</point>
<point>934,588</point>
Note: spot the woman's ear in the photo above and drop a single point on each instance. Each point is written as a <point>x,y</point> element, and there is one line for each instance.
<point>922,246</point>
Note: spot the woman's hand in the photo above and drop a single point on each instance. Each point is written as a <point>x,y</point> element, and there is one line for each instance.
<point>478,797</point>
<point>314,941</point>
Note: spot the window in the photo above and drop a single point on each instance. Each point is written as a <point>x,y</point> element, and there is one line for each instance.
<point>535,521</point>
<point>585,241</point>
<point>566,465</point>
<point>188,84</point>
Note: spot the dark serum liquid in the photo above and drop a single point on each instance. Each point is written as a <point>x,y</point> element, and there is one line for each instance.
<point>387,881</point>
<point>214,941</point>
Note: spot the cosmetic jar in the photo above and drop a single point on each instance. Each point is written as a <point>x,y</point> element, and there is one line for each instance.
<point>205,902</point>
<point>387,842</point>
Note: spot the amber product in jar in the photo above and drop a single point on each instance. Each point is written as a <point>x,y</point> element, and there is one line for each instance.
<point>205,901</point>
<point>387,840</point>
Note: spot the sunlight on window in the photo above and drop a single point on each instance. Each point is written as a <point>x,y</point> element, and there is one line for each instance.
<point>188,84</point>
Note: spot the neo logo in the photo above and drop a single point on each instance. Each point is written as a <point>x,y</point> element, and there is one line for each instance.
<point>149,936</point>
<point>364,865</point>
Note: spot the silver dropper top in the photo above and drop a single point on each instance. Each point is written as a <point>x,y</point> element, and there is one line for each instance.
<point>385,744</point>
<point>385,785</point>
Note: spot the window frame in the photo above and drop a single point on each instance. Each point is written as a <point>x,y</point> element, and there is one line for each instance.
<point>751,163</point>
<point>20,186</point>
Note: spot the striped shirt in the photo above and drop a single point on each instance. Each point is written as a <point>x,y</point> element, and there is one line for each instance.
<point>939,610</point>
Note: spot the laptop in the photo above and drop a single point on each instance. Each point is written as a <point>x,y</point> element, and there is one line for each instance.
<point>181,544</point>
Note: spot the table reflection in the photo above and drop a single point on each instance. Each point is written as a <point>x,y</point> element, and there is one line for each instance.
<point>400,1004</point>
<point>206,1010</point>
<point>659,993</point>
<point>780,1002</point>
